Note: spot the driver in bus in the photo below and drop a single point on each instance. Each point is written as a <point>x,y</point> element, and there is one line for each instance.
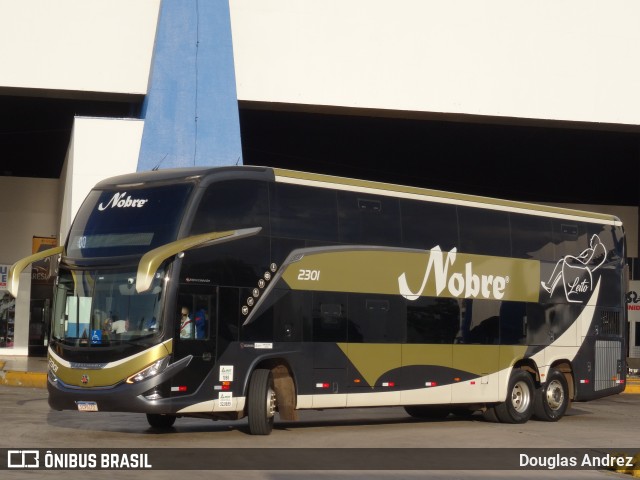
<point>186,326</point>
<point>119,326</point>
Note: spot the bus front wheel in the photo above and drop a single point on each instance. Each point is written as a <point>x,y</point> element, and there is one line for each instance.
<point>261,407</point>
<point>552,399</point>
<point>518,407</point>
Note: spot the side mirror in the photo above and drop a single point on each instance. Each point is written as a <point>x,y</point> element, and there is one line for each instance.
<point>13,282</point>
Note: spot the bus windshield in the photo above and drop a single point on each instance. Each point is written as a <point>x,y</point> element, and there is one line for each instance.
<point>127,221</point>
<point>98,307</point>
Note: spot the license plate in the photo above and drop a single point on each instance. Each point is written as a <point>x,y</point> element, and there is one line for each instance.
<point>87,406</point>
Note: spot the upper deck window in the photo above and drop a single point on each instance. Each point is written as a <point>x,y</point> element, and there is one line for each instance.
<point>231,205</point>
<point>304,212</point>
<point>127,221</point>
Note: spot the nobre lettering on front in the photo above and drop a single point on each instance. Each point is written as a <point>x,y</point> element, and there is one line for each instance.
<point>119,201</point>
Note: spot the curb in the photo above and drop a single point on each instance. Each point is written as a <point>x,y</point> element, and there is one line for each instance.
<point>632,386</point>
<point>22,379</point>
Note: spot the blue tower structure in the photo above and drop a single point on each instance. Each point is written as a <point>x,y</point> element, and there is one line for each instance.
<point>191,108</point>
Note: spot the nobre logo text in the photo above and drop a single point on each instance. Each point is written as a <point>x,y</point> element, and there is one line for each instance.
<point>465,284</point>
<point>119,201</point>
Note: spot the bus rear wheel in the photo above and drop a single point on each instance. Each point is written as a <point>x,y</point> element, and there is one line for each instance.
<point>157,420</point>
<point>261,407</point>
<point>552,398</point>
<point>518,407</point>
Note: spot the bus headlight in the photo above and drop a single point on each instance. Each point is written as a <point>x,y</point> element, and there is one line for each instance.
<point>151,371</point>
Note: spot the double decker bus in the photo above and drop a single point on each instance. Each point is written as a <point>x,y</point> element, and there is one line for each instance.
<point>235,292</point>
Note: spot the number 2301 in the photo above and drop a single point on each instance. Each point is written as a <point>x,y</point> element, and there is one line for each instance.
<point>313,275</point>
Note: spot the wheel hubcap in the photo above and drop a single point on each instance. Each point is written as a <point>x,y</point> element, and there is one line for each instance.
<point>520,397</point>
<point>555,395</point>
<point>271,403</point>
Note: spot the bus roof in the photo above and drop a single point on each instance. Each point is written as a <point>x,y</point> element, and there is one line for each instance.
<point>439,196</point>
<point>207,174</point>
<point>180,174</point>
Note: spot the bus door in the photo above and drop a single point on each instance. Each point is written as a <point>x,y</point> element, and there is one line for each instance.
<point>433,325</point>
<point>375,350</point>
<point>195,334</point>
<point>329,335</point>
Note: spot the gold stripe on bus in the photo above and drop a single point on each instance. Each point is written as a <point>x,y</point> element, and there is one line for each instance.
<point>439,196</point>
<point>372,360</point>
<point>375,359</point>
<point>416,274</point>
<point>111,373</point>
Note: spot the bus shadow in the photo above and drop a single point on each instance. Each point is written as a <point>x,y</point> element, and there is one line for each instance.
<point>371,421</point>
<point>241,426</point>
<point>577,412</point>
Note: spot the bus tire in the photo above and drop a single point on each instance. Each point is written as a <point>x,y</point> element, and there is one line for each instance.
<point>518,407</point>
<point>261,407</point>
<point>552,398</point>
<point>489,414</point>
<point>161,421</point>
<point>431,412</point>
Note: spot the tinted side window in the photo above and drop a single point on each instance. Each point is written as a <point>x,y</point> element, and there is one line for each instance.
<point>480,322</point>
<point>329,322</point>
<point>537,323</point>
<point>368,219</point>
<point>238,263</point>
<point>531,237</point>
<point>484,232</point>
<point>433,320</point>
<point>426,225</point>
<point>513,323</point>
<point>291,314</point>
<point>232,205</point>
<point>376,318</point>
<point>304,212</point>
